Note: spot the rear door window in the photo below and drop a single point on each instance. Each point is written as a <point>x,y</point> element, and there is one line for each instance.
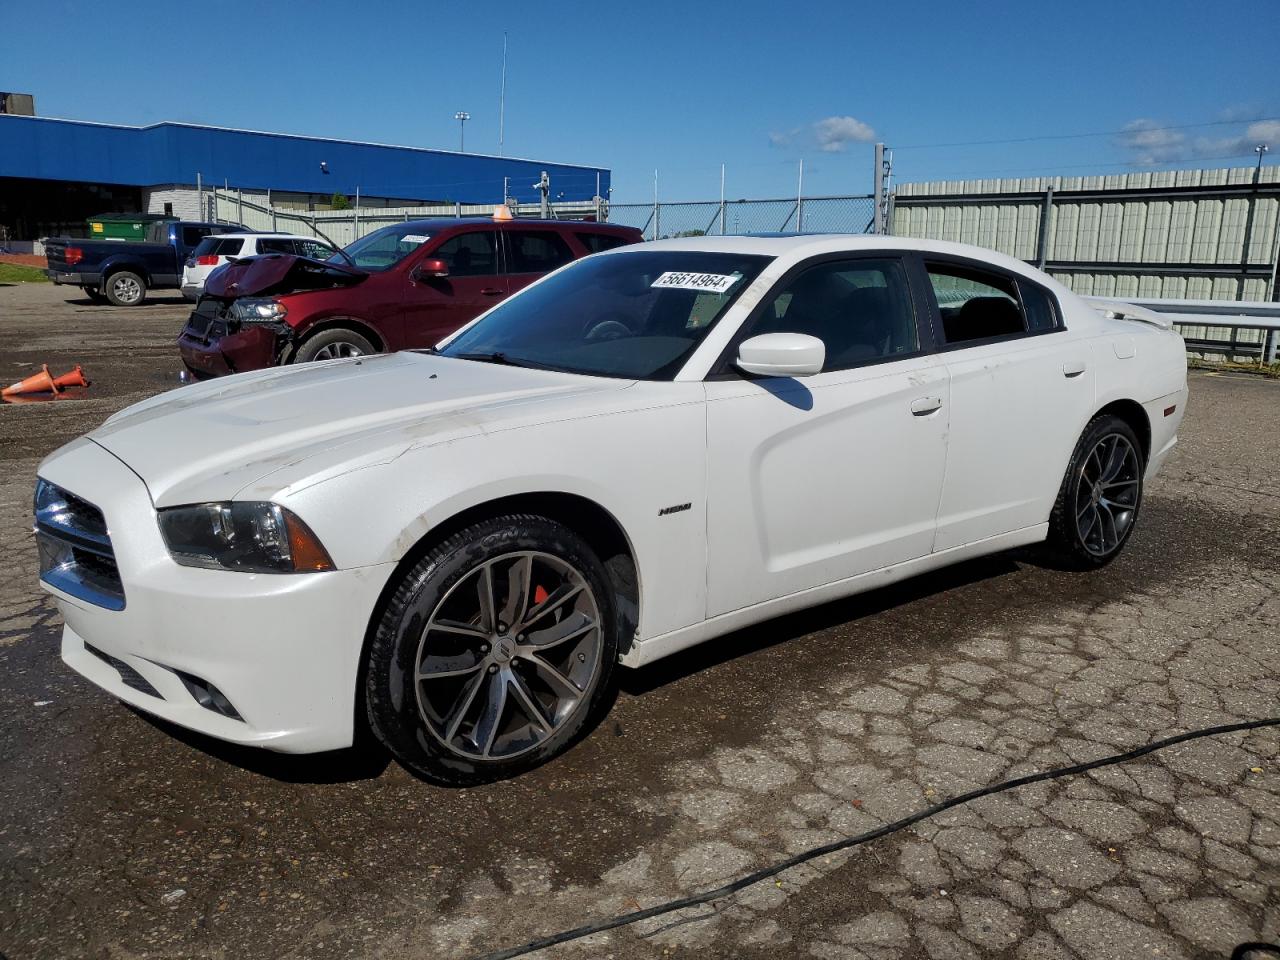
<point>536,251</point>
<point>975,304</point>
<point>472,254</point>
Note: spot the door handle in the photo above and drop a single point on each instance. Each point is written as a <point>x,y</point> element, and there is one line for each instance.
<point>492,292</point>
<point>1073,368</point>
<point>925,406</point>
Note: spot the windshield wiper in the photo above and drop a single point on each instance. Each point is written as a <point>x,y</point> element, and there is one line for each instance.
<point>502,360</point>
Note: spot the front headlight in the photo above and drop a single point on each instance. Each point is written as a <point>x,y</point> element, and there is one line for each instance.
<point>251,537</point>
<point>258,310</point>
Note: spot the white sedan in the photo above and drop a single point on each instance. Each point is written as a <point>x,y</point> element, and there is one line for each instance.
<point>647,449</point>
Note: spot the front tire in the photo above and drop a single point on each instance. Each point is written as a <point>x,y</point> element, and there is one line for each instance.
<point>1101,495</point>
<point>495,652</point>
<point>334,344</point>
<point>124,289</point>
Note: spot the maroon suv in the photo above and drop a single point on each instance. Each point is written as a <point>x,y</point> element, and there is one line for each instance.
<point>406,285</point>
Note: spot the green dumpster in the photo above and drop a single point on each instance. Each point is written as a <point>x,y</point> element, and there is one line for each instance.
<point>122,226</point>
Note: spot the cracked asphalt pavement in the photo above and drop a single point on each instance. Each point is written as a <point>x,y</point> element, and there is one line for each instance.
<point>124,838</point>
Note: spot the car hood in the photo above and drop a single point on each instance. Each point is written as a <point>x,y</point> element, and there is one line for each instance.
<point>277,273</point>
<point>210,440</point>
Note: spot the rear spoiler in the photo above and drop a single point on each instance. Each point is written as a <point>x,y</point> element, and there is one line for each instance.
<point>1120,310</point>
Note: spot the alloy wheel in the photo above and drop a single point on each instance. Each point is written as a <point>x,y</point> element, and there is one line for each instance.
<point>126,289</point>
<point>337,351</point>
<point>1107,494</point>
<point>508,655</point>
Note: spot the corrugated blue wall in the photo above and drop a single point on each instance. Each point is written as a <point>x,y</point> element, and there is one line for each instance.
<point>42,148</point>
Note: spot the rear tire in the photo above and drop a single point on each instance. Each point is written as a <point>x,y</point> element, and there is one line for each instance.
<point>125,289</point>
<point>466,690</point>
<point>333,344</point>
<point>1101,495</point>
<point>94,294</point>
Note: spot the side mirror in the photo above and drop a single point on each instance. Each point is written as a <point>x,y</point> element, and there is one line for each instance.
<point>429,269</point>
<point>782,355</point>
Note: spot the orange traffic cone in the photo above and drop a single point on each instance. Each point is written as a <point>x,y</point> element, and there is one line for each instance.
<point>73,378</point>
<point>36,383</point>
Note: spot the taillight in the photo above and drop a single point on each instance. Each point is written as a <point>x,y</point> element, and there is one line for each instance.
<point>73,255</point>
<point>208,260</point>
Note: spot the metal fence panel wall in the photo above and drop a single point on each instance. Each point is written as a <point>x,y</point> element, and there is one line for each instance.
<point>1186,234</point>
<point>852,214</point>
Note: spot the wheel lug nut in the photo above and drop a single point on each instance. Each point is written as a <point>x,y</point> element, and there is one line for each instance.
<point>484,648</point>
<point>493,668</point>
<point>582,658</point>
<point>502,627</point>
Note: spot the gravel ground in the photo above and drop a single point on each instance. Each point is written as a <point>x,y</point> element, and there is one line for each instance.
<point>122,838</point>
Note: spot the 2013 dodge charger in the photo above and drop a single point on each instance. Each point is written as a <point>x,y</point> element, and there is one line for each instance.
<point>647,449</point>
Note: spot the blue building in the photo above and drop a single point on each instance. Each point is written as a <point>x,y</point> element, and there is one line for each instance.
<point>55,173</point>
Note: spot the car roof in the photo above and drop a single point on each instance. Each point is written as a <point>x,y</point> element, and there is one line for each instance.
<point>804,245</point>
<point>255,235</point>
<point>441,223</point>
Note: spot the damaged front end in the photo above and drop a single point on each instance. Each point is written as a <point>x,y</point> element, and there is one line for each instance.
<point>243,322</point>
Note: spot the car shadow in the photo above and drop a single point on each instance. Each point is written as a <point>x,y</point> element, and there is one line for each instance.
<point>151,301</point>
<point>788,627</point>
<point>366,760</point>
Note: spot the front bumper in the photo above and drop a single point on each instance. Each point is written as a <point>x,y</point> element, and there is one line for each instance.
<point>255,348</point>
<point>284,650</point>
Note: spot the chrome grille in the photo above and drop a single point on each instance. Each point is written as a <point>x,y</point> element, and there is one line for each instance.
<point>76,555</point>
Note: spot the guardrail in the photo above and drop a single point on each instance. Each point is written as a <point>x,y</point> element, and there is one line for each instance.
<point>1227,329</point>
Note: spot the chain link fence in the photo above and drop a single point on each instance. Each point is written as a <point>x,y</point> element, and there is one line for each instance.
<point>852,214</point>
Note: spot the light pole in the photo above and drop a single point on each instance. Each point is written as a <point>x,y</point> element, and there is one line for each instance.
<point>1260,149</point>
<point>462,117</point>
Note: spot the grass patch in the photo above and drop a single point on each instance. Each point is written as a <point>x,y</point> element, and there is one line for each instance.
<point>18,273</point>
<point>1270,370</point>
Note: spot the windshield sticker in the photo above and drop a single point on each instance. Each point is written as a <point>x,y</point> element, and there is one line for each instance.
<point>710,282</point>
<point>414,238</point>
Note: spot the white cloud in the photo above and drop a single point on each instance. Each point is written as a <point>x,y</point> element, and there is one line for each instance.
<point>1150,143</point>
<point>835,133</point>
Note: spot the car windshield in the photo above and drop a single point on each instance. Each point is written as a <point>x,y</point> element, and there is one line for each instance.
<point>635,315</point>
<point>383,248</point>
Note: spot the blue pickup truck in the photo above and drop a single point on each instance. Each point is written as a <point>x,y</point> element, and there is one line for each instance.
<point>120,272</point>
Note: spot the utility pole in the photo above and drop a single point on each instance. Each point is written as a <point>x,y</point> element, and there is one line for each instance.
<point>502,96</point>
<point>543,186</point>
<point>883,172</point>
<point>1260,149</point>
<point>800,199</point>
<point>657,211</point>
<point>722,224</point>
<point>462,117</point>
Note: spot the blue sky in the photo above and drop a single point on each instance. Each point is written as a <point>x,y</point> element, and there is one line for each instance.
<point>683,87</point>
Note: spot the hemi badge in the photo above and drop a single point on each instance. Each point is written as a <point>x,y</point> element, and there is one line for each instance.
<point>676,509</point>
<point>1168,411</point>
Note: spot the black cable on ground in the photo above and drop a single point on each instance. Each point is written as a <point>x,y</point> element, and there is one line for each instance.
<point>793,861</point>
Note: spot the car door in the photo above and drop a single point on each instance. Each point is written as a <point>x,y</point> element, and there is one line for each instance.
<point>817,479</point>
<point>436,306</point>
<point>532,252</point>
<point>1021,390</point>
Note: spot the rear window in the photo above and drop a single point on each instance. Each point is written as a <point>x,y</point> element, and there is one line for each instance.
<point>276,245</point>
<point>599,242</point>
<point>219,246</point>
<point>536,251</point>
